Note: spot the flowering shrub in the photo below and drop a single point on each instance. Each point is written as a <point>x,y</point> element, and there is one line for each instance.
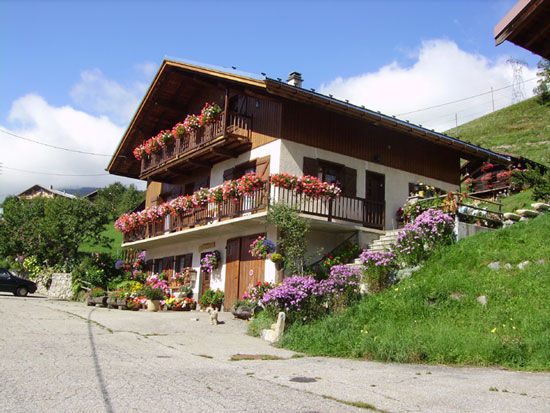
<point>191,123</point>
<point>157,281</point>
<point>210,261</point>
<point>257,292</point>
<point>307,185</point>
<point>261,247</point>
<point>304,298</point>
<point>430,229</point>
<point>377,268</point>
<point>212,298</point>
<point>487,166</point>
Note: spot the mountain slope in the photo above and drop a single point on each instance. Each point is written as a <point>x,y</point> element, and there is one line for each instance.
<point>521,129</point>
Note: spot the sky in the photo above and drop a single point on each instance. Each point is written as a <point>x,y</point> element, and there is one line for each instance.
<point>72,73</point>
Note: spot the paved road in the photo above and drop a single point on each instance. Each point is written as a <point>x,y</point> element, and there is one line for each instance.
<point>60,356</point>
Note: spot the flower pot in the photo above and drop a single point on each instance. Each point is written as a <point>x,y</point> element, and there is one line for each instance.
<point>153,305</point>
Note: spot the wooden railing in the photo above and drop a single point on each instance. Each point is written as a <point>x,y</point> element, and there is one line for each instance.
<point>237,125</point>
<point>348,209</point>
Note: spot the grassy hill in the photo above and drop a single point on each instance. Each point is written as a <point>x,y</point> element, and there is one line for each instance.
<point>434,317</point>
<point>522,129</point>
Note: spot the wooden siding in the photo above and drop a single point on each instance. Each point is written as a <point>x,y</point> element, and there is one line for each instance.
<point>153,192</point>
<point>266,120</point>
<point>320,128</point>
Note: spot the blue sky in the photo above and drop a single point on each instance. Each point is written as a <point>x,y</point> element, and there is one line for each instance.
<point>73,72</point>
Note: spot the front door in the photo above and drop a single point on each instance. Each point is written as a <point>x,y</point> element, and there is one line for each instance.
<point>242,270</point>
<point>204,278</point>
<point>375,199</point>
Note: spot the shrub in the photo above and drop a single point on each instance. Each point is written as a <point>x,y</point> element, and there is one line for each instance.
<point>153,293</point>
<point>212,298</point>
<point>377,269</point>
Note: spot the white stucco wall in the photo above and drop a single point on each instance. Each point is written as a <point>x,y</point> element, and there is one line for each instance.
<point>397,181</point>
<point>220,241</point>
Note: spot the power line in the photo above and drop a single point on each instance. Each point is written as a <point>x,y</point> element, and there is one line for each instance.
<point>50,173</point>
<point>461,100</point>
<point>51,146</point>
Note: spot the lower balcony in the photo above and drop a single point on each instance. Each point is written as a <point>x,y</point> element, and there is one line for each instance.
<point>343,209</point>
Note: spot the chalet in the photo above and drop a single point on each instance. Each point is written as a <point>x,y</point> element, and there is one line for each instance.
<point>41,191</point>
<point>268,127</point>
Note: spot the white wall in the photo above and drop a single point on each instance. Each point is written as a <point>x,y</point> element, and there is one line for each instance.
<point>397,181</point>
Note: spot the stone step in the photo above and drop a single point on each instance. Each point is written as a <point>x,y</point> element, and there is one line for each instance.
<point>511,216</point>
<point>541,207</point>
<point>528,213</point>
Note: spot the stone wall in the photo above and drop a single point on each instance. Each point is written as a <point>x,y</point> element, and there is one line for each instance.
<point>59,287</point>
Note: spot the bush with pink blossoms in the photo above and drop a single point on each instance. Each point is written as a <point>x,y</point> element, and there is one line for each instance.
<point>377,268</point>
<point>304,298</point>
<point>418,239</point>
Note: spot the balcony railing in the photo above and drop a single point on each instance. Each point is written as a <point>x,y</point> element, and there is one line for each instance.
<point>367,213</point>
<point>237,125</point>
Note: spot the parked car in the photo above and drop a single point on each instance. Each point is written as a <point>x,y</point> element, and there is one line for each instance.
<point>16,285</point>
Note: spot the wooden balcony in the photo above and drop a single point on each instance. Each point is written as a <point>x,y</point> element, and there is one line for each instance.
<point>228,137</point>
<point>355,210</point>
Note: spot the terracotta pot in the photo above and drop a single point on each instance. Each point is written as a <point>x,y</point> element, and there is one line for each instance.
<point>153,305</point>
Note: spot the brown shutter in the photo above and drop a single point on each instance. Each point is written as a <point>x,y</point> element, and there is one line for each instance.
<point>188,260</point>
<point>262,167</point>
<point>228,174</point>
<point>311,166</point>
<point>349,183</point>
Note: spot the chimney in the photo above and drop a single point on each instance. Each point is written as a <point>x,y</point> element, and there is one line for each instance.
<point>295,79</point>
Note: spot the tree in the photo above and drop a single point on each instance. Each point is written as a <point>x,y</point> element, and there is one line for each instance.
<point>543,88</point>
<point>116,199</point>
<point>50,229</point>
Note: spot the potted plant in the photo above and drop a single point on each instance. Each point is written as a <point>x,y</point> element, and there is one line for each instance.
<point>210,261</point>
<point>262,247</point>
<point>132,304</point>
<point>121,299</point>
<point>186,291</point>
<point>212,298</point>
<point>278,260</point>
<point>153,295</point>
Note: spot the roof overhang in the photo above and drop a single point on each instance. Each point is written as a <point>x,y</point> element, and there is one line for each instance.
<point>527,25</point>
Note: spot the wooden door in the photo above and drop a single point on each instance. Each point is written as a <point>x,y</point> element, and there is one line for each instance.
<point>204,278</point>
<point>375,199</point>
<point>242,270</point>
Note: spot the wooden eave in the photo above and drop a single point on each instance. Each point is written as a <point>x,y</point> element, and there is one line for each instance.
<point>527,25</point>
<point>466,150</point>
<point>123,162</point>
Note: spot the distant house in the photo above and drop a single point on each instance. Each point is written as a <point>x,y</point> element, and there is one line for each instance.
<point>38,190</point>
<point>486,179</point>
<point>267,127</point>
<point>526,25</point>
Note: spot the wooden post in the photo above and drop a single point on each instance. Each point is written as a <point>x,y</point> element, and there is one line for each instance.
<point>330,203</point>
<point>226,111</point>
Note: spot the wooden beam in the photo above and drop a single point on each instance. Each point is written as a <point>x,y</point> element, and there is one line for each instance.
<point>224,152</point>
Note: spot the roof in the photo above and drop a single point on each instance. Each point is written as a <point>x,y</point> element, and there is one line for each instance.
<point>52,191</point>
<point>162,93</point>
<point>527,25</point>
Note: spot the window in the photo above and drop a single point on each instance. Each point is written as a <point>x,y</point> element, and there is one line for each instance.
<point>333,173</point>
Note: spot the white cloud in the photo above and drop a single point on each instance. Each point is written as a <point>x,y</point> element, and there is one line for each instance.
<point>148,69</point>
<point>442,73</point>
<point>100,95</point>
<point>31,116</point>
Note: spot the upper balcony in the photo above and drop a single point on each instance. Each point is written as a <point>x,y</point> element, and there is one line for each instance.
<point>227,137</point>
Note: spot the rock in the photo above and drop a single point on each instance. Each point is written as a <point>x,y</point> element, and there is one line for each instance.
<point>511,216</point>
<point>494,265</point>
<point>508,266</point>
<point>508,223</point>
<point>243,312</point>
<point>482,300</point>
<point>541,207</point>
<point>541,262</point>
<point>528,213</point>
<point>405,273</point>
<point>274,334</point>
<point>457,296</point>
<point>523,264</point>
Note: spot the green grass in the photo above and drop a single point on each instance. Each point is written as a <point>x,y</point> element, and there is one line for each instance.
<point>113,247</point>
<point>418,321</point>
<point>521,129</point>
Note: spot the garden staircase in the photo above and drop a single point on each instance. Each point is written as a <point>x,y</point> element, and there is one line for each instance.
<point>383,243</point>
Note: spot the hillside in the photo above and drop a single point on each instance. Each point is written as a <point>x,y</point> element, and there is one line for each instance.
<point>522,129</point>
<point>434,316</point>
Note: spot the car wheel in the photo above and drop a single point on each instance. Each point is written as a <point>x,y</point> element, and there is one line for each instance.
<point>22,291</point>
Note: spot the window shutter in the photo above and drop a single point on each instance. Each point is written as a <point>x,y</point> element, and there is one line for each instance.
<point>311,166</point>
<point>262,167</point>
<point>228,174</point>
<point>349,183</point>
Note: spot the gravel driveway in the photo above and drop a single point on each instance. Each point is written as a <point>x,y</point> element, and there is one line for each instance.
<point>63,356</point>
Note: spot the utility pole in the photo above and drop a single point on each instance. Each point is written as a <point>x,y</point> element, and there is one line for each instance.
<point>492,98</point>
<point>517,82</point>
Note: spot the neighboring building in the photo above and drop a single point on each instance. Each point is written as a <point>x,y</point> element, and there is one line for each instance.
<point>38,190</point>
<point>268,126</point>
<point>486,179</point>
<point>526,25</point>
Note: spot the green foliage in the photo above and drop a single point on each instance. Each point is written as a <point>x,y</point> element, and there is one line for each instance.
<point>434,317</point>
<point>293,230</point>
<point>50,229</point>
<point>97,292</point>
<point>212,298</point>
<point>259,322</point>
<point>536,180</point>
<point>543,88</point>
<point>343,254</point>
<point>153,293</point>
<point>32,266</point>
<point>116,199</point>
<point>96,269</point>
<point>522,129</point>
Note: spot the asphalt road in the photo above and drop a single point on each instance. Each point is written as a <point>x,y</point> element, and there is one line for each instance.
<point>60,356</point>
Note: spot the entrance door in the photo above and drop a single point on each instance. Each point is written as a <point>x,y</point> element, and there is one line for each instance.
<point>242,270</point>
<point>204,277</point>
<point>375,199</point>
